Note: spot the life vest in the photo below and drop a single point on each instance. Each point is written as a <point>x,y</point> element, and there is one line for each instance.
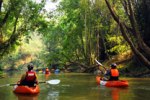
<point>30,76</point>
<point>114,72</point>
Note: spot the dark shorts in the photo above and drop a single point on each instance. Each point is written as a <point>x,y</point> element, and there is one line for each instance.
<point>30,84</point>
<point>114,78</point>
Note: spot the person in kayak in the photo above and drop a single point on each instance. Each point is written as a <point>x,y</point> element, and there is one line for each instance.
<point>29,78</point>
<point>112,74</point>
<point>47,71</point>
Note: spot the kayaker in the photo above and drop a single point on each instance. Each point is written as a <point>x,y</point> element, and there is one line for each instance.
<point>47,71</point>
<point>112,74</point>
<point>57,71</point>
<point>29,78</point>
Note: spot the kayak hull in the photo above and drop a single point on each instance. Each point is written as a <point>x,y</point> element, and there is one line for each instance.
<point>26,89</point>
<point>119,83</point>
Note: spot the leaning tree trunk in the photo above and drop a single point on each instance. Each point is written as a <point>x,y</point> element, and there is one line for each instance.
<point>122,26</point>
<point>128,6</point>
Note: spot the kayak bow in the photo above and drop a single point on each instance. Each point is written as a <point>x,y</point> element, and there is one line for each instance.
<point>26,89</point>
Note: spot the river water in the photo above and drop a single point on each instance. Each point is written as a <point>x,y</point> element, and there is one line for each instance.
<point>78,87</point>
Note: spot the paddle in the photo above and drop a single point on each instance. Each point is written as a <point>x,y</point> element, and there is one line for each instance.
<point>100,64</point>
<point>52,82</point>
<point>104,78</point>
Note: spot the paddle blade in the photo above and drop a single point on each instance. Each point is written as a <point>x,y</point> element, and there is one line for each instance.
<point>53,82</point>
<point>98,63</point>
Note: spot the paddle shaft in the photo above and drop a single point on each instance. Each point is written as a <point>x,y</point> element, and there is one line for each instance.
<point>52,82</point>
<point>104,78</point>
<point>12,84</point>
<point>43,82</point>
<point>17,84</point>
<point>38,82</point>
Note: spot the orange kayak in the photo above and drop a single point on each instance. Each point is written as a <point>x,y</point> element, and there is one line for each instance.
<point>26,89</point>
<point>119,83</point>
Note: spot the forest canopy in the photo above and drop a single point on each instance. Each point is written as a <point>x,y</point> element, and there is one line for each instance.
<point>77,32</point>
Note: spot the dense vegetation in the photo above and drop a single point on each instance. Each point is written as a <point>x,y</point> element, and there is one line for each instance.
<point>74,34</point>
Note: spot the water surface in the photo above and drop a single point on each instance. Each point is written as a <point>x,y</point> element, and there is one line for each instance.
<point>78,87</point>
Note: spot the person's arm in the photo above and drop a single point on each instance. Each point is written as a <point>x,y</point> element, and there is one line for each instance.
<point>23,77</point>
<point>36,79</point>
<point>107,73</point>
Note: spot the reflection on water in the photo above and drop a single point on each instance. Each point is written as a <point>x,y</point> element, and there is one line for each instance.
<point>78,87</point>
<point>47,76</point>
<point>111,93</point>
<point>26,97</point>
<point>53,95</point>
<point>116,92</point>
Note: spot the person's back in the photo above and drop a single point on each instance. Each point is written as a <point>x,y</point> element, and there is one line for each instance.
<point>30,78</point>
<point>114,73</point>
<point>47,71</point>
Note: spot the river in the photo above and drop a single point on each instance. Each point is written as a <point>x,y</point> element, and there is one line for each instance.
<point>79,86</point>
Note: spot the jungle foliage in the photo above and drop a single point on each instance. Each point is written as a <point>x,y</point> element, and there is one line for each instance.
<point>78,31</point>
<point>81,31</point>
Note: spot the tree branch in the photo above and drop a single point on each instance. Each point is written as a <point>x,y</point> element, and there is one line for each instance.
<point>1,1</point>
<point>124,34</point>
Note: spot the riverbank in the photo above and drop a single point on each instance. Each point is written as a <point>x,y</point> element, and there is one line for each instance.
<point>2,74</point>
<point>129,66</point>
<point>133,69</point>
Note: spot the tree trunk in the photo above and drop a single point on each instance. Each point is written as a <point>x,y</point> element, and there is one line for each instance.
<point>138,54</point>
<point>141,45</point>
<point>1,1</point>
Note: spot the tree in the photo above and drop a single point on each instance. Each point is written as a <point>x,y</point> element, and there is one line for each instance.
<point>78,32</point>
<point>17,20</point>
<point>131,31</point>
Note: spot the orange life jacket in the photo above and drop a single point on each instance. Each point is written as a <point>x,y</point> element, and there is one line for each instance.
<point>30,76</point>
<point>114,72</point>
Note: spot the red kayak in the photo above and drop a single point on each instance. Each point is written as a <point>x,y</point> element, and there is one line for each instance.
<point>119,83</point>
<point>26,89</point>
